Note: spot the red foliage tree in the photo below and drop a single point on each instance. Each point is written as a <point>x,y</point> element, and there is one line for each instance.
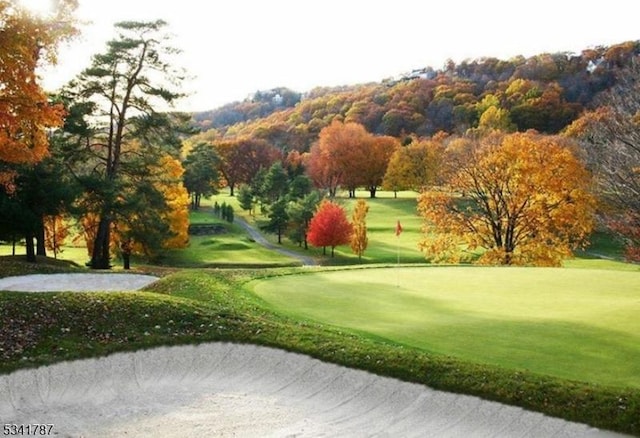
<point>329,227</point>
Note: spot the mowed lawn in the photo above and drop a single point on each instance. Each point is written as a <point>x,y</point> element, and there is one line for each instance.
<point>578,324</point>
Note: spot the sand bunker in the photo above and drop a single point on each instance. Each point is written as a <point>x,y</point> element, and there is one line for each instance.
<point>76,282</point>
<point>226,390</point>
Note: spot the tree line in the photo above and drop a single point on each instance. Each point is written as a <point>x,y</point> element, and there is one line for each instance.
<point>99,150</point>
<point>506,170</point>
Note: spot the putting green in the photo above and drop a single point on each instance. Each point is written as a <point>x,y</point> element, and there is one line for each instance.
<point>578,324</point>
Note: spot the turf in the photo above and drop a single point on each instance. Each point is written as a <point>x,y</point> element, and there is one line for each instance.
<point>193,306</point>
<point>578,324</point>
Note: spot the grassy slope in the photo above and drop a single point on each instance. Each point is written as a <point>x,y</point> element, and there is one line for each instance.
<point>576,324</point>
<point>201,305</point>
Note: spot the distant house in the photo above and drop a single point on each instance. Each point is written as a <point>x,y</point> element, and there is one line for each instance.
<point>593,65</point>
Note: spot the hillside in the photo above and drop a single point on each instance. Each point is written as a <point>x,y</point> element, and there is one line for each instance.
<point>545,92</point>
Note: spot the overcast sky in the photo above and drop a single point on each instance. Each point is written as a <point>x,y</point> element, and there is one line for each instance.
<point>233,48</point>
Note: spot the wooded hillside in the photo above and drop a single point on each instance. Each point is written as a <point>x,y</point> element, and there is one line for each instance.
<point>544,92</point>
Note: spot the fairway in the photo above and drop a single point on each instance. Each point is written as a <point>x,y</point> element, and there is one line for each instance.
<point>577,324</point>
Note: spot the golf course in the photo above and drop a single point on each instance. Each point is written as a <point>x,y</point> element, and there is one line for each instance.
<point>575,324</point>
<point>562,341</point>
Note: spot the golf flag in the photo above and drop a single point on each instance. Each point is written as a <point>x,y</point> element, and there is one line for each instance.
<point>398,229</point>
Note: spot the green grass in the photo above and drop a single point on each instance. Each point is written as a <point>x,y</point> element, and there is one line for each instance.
<point>194,306</point>
<point>575,324</point>
<point>384,246</point>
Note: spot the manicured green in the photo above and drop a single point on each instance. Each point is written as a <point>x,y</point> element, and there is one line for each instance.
<point>202,305</point>
<point>578,324</point>
<point>581,327</point>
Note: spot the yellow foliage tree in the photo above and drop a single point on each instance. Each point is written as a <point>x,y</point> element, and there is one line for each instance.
<point>522,199</point>
<point>416,166</point>
<point>359,239</point>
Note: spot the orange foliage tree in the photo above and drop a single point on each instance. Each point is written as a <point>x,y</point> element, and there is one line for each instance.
<point>346,154</point>
<point>25,111</point>
<point>242,158</point>
<point>329,227</point>
<point>521,198</point>
<point>56,230</point>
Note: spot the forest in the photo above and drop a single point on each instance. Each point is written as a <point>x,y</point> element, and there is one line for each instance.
<point>519,160</point>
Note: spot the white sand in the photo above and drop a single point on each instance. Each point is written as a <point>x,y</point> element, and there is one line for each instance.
<point>76,282</point>
<point>230,390</point>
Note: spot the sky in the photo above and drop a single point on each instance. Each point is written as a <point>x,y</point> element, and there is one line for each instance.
<point>232,48</point>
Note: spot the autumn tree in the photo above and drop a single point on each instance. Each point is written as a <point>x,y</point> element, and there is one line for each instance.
<point>340,146</point>
<point>329,227</point>
<point>521,198</point>
<point>56,230</point>
<point>376,160</point>
<point>118,98</point>
<point>242,158</point>
<point>158,211</point>
<point>346,154</point>
<point>416,166</point>
<point>610,138</point>
<point>26,113</point>
<point>359,239</point>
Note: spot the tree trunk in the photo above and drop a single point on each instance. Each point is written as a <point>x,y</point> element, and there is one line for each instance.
<point>31,254</point>
<point>333,251</point>
<point>100,256</point>
<point>126,261</point>
<point>372,191</point>
<point>41,247</point>
<point>231,189</point>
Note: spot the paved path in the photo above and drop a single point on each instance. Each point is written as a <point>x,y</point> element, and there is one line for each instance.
<point>259,238</point>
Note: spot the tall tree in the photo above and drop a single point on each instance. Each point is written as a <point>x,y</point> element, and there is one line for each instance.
<point>121,93</point>
<point>201,173</point>
<point>300,213</point>
<point>522,198</point>
<point>26,113</point>
<point>241,159</point>
<point>376,160</point>
<point>359,239</point>
<point>329,227</point>
<point>416,166</point>
<point>278,218</point>
<point>610,138</point>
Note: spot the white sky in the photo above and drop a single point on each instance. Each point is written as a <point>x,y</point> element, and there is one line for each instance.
<point>235,47</point>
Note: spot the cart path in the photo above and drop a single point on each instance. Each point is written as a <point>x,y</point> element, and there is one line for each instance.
<point>260,239</point>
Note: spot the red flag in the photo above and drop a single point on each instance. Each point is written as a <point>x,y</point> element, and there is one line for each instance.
<point>398,229</point>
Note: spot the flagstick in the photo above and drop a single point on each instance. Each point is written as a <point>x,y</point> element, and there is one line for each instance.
<point>398,232</point>
<point>398,263</point>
